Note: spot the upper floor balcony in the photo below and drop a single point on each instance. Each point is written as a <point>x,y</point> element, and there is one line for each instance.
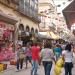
<point>29,10</point>
<point>26,7</point>
<point>15,1</point>
<point>6,2</point>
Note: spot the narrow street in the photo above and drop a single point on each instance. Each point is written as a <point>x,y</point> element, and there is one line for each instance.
<point>37,30</point>
<point>27,71</point>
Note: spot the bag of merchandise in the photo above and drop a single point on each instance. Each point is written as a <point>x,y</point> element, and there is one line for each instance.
<point>58,66</point>
<point>22,55</point>
<point>60,62</point>
<point>57,70</point>
<point>4,66</point>
<point>1,67</point>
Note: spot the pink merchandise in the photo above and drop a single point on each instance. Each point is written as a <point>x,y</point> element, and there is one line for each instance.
<point>6,54</point>
<point>6,33</point>
<point>1,57</point>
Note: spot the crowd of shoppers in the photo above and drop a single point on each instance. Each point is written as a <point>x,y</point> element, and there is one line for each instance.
<point>48,54</point>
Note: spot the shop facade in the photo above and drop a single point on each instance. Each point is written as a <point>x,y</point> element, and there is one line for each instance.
<point>27,34</point>
<point>28,21</point>
<point>7,36</point>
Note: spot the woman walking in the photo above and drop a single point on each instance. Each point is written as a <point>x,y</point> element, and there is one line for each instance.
<point>47,56</point>
<point>68,56</point>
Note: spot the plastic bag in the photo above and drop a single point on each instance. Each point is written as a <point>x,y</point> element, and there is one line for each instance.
<point>58,66</point>
<point>1,67</point>
<point>57,70</point>
<point>60,62</point>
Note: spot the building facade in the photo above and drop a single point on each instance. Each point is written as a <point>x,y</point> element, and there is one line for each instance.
<point>22,16</point>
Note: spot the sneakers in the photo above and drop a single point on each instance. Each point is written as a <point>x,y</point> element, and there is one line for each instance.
<point>17,70</point>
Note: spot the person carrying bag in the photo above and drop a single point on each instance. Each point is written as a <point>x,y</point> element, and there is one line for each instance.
<point>19,57</point>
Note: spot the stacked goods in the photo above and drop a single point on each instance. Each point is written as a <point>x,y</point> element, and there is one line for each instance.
<point>13,62</point>
<point>3,67</point>
<point>6,54</point>
<point>58,66</point>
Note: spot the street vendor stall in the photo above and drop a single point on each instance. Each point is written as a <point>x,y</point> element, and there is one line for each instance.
<point>7,39</point>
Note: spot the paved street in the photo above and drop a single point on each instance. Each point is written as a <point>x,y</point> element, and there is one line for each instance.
<point>27,71</point>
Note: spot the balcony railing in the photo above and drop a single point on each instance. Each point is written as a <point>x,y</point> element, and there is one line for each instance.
<point>15,1</point>
<point>28,10</point>
<point>6,2</point>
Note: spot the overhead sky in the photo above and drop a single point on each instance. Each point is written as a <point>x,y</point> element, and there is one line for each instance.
<point>61,4</point>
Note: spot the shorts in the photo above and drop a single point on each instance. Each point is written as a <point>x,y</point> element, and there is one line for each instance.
<point>28,58</point>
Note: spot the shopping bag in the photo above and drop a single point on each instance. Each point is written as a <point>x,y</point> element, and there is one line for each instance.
<point>1,67</point>
<point>4,66</point>
<point>57,70</point>
<point>60,62</point>
<point>22,56</point>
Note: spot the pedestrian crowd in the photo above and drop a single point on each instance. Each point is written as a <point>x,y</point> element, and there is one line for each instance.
<point>33,53</point>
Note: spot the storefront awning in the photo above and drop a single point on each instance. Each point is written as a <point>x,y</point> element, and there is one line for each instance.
<point>7,18</point>
<point>45,35</point>
<point>54,36</point>
<point>69,14</point>
<point>50,35</point>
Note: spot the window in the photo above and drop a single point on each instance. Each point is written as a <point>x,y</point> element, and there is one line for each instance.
<point>36,31</point>
<point>21,27</point>
<point>32,30</point>
<point>27,28</point>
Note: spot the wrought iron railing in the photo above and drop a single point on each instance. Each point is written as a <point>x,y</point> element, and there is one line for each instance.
<point>28,10</point>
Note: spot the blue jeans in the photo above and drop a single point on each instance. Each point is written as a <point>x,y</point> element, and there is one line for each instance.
<point>68,68</point>
<point>34,67</point>
<point>47,67</point>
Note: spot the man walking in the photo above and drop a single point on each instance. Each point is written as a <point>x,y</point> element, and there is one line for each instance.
<point>35,58</point>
